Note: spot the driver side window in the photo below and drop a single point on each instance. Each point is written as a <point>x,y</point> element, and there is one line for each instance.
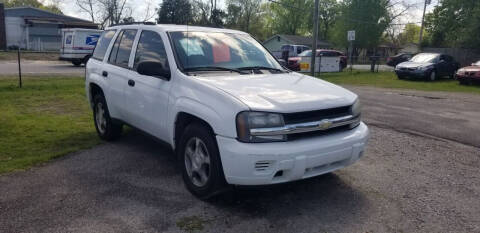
<point>151,48</point>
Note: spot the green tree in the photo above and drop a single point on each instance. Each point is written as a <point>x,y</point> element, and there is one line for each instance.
<point>327,15</point>
<point>410,34</point>
<point>174,12</point>
<point>454,23</point>
<point>369,18</point>
<point>33,3</point>
<point>291,16</point>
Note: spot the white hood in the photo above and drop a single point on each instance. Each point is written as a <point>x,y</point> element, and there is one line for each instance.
<point>289,92</point>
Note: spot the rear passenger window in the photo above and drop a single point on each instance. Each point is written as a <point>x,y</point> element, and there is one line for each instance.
<point>151,48</point>
<point>121,49</point>
<point>102,44</point>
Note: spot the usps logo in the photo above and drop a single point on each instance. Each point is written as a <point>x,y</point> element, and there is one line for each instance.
<point>92,39</point>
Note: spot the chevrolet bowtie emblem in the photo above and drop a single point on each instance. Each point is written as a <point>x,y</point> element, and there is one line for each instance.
<point>324,124</point>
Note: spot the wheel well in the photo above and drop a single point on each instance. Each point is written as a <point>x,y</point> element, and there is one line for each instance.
<point>94,90</point>
<point>183,120</point>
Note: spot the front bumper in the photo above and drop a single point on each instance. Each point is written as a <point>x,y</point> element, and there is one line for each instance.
<point>467,78</point>
<point>271,163</point>
<point>413,73</point>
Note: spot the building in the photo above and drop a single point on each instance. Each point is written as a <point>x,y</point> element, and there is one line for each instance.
<point>274,43</point>
<point>35,29</point>
<point>409,48</point>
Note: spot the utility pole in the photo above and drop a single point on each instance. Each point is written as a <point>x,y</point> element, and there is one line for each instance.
<point>315,37</point>
<point>423,21</point>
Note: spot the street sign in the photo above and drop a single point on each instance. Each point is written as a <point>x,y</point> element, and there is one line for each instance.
<point>351,35</point>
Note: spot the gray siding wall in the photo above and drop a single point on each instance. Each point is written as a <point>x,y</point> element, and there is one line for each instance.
<point>40,36</point>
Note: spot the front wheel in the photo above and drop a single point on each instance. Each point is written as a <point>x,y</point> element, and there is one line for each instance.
<point>107,128</point>
<point>201,167</point>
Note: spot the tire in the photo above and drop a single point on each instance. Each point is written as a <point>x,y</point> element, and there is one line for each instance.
<point>200,162</point>
<point>400,77</point>
<point>76,63</point>
<point>107,128</point>
<point>432,76</point>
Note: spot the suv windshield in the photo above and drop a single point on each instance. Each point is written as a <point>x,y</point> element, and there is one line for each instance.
<point>424,57</point>
<point>201,50</point>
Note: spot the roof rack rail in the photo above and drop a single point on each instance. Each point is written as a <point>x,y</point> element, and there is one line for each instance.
<point>132,23</point>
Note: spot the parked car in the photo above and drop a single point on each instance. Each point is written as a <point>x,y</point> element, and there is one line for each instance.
<point>78,44</point>
<point>294,62</point>
<point>289,50</point>
<point>399,58</point>
<point>469,74</point>
<point>294,50</point>
<point>429,66</point>
<point>226,107</point>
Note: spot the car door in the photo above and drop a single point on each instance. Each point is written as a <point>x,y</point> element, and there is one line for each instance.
<point>147,100</point>
<point>98,69</point>
<point>451,65</point>
<point>116,69</point>
<point>442,65</point>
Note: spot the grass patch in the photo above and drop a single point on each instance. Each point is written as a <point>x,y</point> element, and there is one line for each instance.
<point>47,118</point>
<point>12,56</point>
<point>191,224</point>
<point>390,80</point>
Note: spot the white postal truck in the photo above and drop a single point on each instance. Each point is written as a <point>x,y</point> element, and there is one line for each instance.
<point>78,44</point>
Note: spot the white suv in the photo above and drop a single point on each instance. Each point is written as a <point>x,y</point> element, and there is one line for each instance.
<point>230,111</point>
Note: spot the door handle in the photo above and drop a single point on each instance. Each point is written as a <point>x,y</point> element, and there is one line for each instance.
<point>105,74</point>
<point>131,83</point>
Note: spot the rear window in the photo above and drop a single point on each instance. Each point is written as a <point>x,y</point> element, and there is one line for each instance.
<point>102,44</point>
<point>122,48</point>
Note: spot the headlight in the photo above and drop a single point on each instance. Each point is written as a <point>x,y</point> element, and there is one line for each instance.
<point>356,108</point>
<point>255,120</point>
<point>461,72</point>
<point>356,111</point>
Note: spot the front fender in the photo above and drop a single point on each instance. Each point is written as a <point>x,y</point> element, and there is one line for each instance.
<point>202,111</point>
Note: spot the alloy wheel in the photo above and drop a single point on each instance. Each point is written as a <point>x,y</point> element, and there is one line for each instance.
<point>197,161</point>
<point>100,118</point>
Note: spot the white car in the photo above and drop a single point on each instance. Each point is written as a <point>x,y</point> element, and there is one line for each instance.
<point>231,113</point>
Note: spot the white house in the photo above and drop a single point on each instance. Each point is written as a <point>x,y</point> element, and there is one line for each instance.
<point>274,43</point>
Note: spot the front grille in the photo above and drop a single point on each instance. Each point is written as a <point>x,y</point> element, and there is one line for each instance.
<point>318,115</point>
<point>298,136</point>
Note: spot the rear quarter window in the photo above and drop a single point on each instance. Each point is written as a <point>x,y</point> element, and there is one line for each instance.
<point>102,44</point>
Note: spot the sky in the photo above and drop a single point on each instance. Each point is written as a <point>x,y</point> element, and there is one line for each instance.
<point>139,8</point>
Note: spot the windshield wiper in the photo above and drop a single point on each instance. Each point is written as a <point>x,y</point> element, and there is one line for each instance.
<point>213,68</point>
<point>261,68</point>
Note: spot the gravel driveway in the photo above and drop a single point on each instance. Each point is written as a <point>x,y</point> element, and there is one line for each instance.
<point>408,181</point>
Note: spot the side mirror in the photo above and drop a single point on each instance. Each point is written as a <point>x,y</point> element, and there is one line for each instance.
<point>153,68</point>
